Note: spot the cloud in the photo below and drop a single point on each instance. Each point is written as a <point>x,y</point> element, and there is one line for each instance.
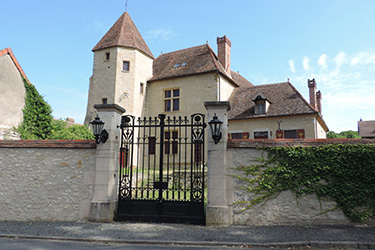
<point>340,59</point>
<point>162,34</point>
<point>347,83</point>
<point>292,68</point>
<point>322,61</point>
<point>306,63</point>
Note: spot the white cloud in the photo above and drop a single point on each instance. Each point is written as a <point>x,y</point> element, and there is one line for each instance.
<point>292,68</point>
<point>162,34</point>
<point>306,63</point>
<point>340,59</point>
<point>347,83</point>
<point>322,61</point>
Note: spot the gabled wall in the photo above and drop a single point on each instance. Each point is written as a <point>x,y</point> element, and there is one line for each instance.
<point>12,93</point>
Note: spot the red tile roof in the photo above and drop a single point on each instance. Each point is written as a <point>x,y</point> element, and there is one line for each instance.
<point>284,99</point>
<point>123,33</point>
<point>16,63</point>
<point>187,62</point>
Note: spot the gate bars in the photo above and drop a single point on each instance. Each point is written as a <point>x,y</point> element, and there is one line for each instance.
<point>162,161</point>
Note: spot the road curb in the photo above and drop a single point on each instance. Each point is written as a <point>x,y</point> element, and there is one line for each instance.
<point>313,244</point>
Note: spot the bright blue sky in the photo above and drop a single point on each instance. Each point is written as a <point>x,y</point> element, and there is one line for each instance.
<point>332,41</point>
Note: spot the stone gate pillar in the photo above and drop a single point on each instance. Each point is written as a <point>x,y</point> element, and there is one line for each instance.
<point>219,211</point>
<point>104,201</point>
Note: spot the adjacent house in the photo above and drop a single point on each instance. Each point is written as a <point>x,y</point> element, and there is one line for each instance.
<point>366,129</point>
<point>12,90</point>
<point>178,83</point>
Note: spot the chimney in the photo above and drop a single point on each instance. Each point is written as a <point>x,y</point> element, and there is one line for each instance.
<point>223,52</point>
<point>312,90</point>
<point>319,101</point>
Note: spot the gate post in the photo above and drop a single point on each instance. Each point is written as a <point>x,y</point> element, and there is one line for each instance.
<point>219,209</point>
<point>104,201</point>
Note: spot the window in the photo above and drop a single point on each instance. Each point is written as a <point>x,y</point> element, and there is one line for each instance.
<point>104,100</point>
<point>261,135</point>
<point>171,100</point>
<point>198,152</point>
<point>261,105</point>
<point>125,66</point>
<point>290,134</point>
<point>151,145</point>
<point>141,88</point>
<point>171,139</point>
<point>244,135</point>
<point>107,55</point>
<point>261,108</point>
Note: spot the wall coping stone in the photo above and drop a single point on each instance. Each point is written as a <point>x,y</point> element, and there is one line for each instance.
<point>47,144</point>
<point>255,143</point>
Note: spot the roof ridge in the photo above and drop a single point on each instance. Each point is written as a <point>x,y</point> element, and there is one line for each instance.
<point>180,50</point>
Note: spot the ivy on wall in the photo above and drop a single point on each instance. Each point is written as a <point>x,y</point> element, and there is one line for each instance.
<point>37,115</point>
<point>38,123</point>
<point>341,173</point>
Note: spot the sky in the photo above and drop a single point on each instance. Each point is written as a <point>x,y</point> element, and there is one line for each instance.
<point>332,41</point>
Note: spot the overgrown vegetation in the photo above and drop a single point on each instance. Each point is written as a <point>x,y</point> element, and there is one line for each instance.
<point>61,130</point>
<point>344,134</point>
<point>37,115</point>
<point>341,173</point>
<point>38,123</point>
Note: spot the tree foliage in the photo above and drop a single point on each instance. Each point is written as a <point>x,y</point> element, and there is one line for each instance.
<point>37,115</point>
<point>344,134</point>
<point>62,131</point>
<point>342,173</point>
<point>38,123</point>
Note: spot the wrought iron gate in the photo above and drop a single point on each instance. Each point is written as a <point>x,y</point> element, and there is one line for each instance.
<point>162,169</point>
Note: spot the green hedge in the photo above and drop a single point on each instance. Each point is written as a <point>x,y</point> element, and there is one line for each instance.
<point>341,173</point>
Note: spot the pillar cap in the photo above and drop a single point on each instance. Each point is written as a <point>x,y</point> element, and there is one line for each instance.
<point>216,104</point>
<point>109,107</point>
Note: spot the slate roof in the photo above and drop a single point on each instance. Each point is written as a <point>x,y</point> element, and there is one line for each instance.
<point>366,129</point>
<point>284,99</point>
<point>191,61</point>
<point>16,63</point>
<point>123,33</point>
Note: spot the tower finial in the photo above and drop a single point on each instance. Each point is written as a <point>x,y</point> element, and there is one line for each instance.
<point>126,5</point>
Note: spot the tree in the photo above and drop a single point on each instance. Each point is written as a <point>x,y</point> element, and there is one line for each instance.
<point>343,134</point>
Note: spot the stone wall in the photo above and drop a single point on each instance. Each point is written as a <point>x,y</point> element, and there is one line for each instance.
<point>46,180</point>
<point>285,209</point>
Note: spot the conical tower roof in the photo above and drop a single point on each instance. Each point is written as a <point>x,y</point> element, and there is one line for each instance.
<point>123,33</point>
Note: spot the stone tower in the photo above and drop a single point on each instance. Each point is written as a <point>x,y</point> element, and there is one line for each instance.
<point>122,66</point>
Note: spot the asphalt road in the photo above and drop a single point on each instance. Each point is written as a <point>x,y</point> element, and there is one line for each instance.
<point>24,244</point>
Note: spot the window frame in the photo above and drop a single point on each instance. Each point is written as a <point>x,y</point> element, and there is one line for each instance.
<point>172,99</point>
<point>125,69</point>
<point>262,135</point>
<point>171,142</point>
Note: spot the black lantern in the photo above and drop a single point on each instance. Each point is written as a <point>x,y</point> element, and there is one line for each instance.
<point>215,125</point>
<point>101,135</point>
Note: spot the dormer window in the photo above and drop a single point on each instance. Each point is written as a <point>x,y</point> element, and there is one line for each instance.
<point>261,105</point>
